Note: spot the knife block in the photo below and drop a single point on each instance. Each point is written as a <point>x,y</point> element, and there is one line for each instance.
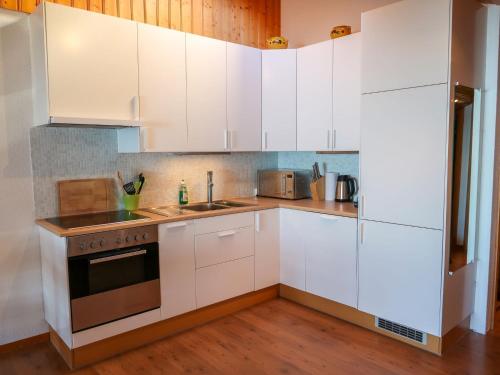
<point>318,189</point>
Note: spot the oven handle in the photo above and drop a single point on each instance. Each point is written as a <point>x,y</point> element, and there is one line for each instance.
<point>119,256</point>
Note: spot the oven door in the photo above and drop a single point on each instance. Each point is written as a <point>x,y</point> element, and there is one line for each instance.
<point>111,285</point>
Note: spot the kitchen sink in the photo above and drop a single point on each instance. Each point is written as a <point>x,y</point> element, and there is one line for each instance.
<point>199,207</point>
<point>234,204</point>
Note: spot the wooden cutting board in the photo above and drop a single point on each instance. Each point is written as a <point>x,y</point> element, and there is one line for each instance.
<point>86,196</point>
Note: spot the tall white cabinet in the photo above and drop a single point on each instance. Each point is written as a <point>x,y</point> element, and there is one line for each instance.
<point>267,248</point>
<point>279,100</point>
<point>95,53</point>
<point>206,94</point>
<point>244,88</point>
<point>162,88</point>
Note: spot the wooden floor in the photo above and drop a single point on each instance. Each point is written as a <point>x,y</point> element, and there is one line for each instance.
<point>277,337</point>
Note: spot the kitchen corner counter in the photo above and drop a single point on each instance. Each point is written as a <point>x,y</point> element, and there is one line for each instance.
<point>258,203</point>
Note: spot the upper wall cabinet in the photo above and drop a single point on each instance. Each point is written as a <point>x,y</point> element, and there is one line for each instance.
<point>346,93</point>
<point>162,88</point>
<point>243,97</point>
<point>314,97</point>
<point>417,54</point>
<point>84,67</point>
<point>206,94</point>
<point>279,100</point>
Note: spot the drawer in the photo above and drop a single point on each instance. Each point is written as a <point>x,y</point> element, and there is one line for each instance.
<point>219,247</point>
<point>223,281</point>
<point>225,222</point>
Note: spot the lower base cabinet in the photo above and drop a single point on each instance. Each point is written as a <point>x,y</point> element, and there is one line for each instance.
<point>177,268</point>
<point>223,281</point>
<point>293,231</point>
<point>400,274</point>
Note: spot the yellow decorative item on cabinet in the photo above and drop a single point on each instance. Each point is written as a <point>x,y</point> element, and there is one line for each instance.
<point>277,42</point>
<point>339,31</point>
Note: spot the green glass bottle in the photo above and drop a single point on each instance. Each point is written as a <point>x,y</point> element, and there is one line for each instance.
<point>183,194</point>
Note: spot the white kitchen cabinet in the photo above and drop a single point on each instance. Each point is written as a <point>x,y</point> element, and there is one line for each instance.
<point>162,88</point>
<point>85,67</point>
<point>405,44</point>
<point>314,97</point>
<point>346,93</point>
<point>244,97</point>
<point>402,159</point>
<point>279,100</point>
<point>400,274</point>
<point>220,247</point>
<point>177,268</point>
<point>267,248</point>
<point>293,240</point>
<point>223,281</point>
<point>331,257</point>
<point>206,94</point>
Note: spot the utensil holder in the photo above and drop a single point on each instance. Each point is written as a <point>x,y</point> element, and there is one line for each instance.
<point>130,202</point>
<point>318,189</point>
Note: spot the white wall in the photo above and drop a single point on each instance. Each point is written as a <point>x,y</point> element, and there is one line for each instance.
<point>21,311</point>
<point>307,22</point>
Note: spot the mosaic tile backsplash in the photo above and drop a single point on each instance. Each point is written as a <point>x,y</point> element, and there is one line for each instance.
<point>71,153</point>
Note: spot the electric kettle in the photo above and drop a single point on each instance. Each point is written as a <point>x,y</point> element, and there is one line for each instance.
<point>347,186</point>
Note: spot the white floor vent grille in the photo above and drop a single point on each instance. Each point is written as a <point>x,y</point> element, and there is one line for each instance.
<point>401,330</point>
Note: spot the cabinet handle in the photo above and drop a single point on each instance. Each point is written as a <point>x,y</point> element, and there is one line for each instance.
<point>362,232</point>
<point>181,224</point>
<point>226,140</point>
<point>135,107</point>
<point>265,140</point>
<point>226,234</point>
<point>334,138</point>
<point>329,217</point>
<point>328,136</point>
<point>257,222</point>
<point>362,206</point>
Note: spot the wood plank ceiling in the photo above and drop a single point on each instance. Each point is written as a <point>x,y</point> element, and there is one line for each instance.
<point>247,22</point>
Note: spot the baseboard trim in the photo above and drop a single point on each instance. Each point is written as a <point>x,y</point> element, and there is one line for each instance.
<point>19,344</point>
<point>352,315</point>
<point>103,349</point>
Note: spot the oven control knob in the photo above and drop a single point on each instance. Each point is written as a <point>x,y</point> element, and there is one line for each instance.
<point>137,237</point>
<point>102,243</point>
<point>93,244</point>
<point>118,240</point>
<point>128,238</point>
<point>83,246</point>
<point>145,236</point>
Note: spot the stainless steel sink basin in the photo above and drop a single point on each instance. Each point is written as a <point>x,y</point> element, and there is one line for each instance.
<point>199,207</point>
<point>234,204</point>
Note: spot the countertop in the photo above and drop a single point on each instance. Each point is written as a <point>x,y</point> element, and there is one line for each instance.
<point>324,207</point>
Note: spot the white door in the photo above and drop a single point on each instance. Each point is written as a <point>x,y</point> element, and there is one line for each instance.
<point>400,274</point>
<point>244,97</point>
<point>177,268</point>
<point>402,158</point>
<point>279,100</point>
<point>206,93</point>
<point>267,248</point>
<point>331,257</point>
<point>292,249</point>
<point>162,88</point>
<point>314,97</point>
<point>91,66</point>
<point>405,44</point>
<point>346,92</point>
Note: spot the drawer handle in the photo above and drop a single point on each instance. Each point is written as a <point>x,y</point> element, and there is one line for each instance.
<point>329,217</point>
<point>226,234</point>
<point>181,224</point>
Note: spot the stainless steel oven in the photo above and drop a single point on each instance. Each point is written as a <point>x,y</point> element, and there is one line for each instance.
<point>113,275</point>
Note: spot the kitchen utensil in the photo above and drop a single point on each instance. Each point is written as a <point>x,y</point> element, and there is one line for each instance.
<point>129,188</point>
<point>330,185</point>
<point>318,189</point>
<point>347,186</point>
<point>142,180</point>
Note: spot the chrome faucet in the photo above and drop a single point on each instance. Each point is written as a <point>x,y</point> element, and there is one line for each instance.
<point>210,186</point>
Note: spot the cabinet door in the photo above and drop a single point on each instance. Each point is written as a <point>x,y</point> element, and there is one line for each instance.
<point>314,97</point>
<point>162,87</point>
<point>405,44</point>
<point>267,248</point>
<point>331,257</point>
<point>400,273</point>
<point>91,67</point>
<point>292,249</point>
<point>223,281</point>
<point>402,158</point>
<point>244,97</point>
<point>206,93</point>
<point>177,268</point>
<point>346,92</point>
<point>279,100</point>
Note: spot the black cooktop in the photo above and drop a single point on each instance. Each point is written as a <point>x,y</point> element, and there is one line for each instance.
<point>90,220</point>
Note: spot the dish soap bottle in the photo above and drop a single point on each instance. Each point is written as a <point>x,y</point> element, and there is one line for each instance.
<point>183,194</point>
